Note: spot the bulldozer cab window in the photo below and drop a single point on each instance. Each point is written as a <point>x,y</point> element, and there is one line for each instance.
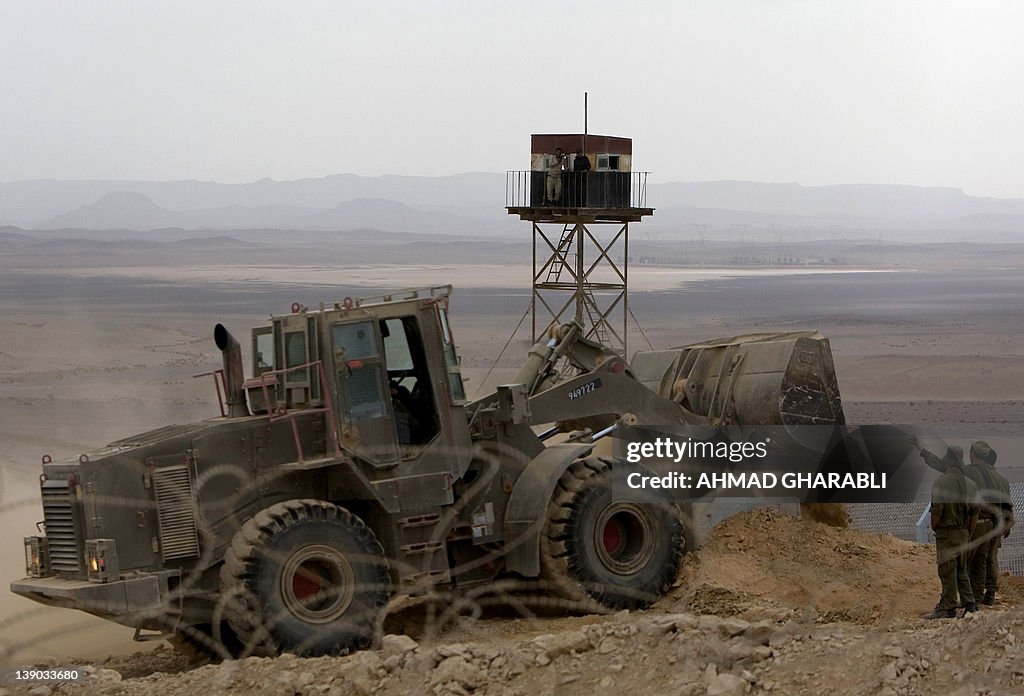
<point>412,398</point>
<point>285,347</point>
<point>455,389</point>
<point>262,350</point>
<point>295,354</point>
<point>359,363</point>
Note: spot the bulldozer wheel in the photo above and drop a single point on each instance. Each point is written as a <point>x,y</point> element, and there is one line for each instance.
<point>306,577</point>
<point>620,553</point>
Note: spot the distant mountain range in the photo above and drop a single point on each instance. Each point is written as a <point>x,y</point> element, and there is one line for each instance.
<point>136,211</point>
<point>42,203</point>
<point>473,204</point>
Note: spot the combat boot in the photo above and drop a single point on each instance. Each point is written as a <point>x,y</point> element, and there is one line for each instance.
<point>989,600</point>
<point>970,608</point>
<point>939,613</point>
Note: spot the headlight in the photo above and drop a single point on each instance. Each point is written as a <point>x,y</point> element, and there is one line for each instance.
<point>101,560</point>
<point>37,556</point>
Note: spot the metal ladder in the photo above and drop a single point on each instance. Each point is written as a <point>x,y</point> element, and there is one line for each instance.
<point>558,261</point>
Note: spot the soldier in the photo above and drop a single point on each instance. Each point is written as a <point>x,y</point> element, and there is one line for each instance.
<point>995,494</point>
<point>954,515</point>
<point>983,536</point>
<point>580,163</point>
<point>554,165</point>
<point>580,167</point>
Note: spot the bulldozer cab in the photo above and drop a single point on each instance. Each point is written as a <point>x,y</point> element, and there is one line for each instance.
<point>392,382</point>
<point>385,395</point>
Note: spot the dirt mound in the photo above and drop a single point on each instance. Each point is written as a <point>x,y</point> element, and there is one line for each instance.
<point>834,514</point>
<point>764,562</point>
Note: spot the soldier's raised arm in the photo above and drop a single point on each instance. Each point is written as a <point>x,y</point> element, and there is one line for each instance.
<point>933,461</point>
<point>930,459</point>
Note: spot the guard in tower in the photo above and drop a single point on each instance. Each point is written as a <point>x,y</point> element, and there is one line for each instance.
<point>554,165</point>
<point>578,183</point>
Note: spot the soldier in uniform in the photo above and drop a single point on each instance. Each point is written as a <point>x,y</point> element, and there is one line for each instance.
<point>554,165</point>
<point>954,515</point>
<point>580,167</point>
<point>994,490</point>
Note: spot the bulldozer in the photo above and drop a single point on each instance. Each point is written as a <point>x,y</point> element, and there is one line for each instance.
<point>348,467</point>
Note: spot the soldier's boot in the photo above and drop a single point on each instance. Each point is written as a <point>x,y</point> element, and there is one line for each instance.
<point>989,600</point>
<point>941,613</point>
<point>970,608</point>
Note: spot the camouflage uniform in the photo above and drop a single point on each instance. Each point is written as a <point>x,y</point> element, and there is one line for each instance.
<point>997,507</point>
<point>954,513</point>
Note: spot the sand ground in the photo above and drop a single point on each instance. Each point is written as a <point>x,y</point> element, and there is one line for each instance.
<point>97,345</point>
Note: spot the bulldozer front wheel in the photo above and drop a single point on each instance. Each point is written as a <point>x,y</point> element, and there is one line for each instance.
<point>306,577</point>
<point>618,551</point>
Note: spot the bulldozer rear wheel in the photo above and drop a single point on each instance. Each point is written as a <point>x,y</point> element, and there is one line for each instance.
<point>610,552</point>
<point>306,577</point>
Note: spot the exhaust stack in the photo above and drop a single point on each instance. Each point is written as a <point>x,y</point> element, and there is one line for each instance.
<point>234,375</point>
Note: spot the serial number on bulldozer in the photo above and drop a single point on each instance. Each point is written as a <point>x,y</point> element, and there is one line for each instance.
<point>584,389</point>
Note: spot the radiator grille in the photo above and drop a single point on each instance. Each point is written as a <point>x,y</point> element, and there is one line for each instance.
<point>59,522</point>
<point>176,512</point>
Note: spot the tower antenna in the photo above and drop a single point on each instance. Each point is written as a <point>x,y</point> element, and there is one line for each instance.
<point>585,131</point>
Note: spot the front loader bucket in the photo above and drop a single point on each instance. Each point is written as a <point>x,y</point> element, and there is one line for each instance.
<point>758,379</point>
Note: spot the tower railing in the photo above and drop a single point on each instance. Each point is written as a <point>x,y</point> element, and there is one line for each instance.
<point>591,189</point>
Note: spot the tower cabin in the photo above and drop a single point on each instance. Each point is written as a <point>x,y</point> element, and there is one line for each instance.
<point>578,175</point>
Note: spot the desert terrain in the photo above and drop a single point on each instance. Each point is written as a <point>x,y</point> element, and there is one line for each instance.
<point>102,336</point>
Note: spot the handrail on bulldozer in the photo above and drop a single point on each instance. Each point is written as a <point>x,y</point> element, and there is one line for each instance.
<point>428,292</point>
<point>282,411</point>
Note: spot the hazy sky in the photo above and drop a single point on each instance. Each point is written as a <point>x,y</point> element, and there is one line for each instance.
<point>812,91</point>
